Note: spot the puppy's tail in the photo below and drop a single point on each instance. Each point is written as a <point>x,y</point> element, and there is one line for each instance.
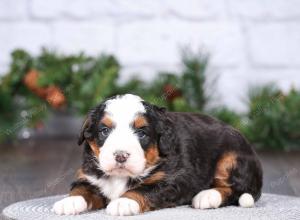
<point>246,200</point>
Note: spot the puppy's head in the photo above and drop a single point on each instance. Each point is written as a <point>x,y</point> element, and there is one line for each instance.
<point>122,134</point>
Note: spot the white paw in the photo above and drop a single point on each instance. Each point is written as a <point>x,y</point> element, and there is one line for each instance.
<point>71,205</point>
<point>246,200</point>
<point>207,199</point>
<point>123,206</point>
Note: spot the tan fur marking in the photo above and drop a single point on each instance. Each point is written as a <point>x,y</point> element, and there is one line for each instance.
<point>139,198</point>
<point>152,155</point>
<point>156,177</point>
<point>225,192</point>
<point>107,121</point>
<point>80,174</point>
<point>222,174</point>
<point>93,201</point>
<point>94,148</point>
<point>140,122</point>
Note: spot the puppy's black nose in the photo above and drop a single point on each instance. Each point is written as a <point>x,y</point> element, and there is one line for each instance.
<point>121,156</point>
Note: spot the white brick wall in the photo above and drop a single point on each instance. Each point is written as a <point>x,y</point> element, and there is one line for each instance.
<point>250,41</point>
<point>281,44</point>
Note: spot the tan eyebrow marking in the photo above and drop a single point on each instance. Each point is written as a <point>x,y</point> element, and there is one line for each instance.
<point>140,121</point>
<point>107,121</point>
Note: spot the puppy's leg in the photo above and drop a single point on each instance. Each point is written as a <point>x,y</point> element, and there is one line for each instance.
<point>82,197</point>
<point>124,206</point>
<point>138,201</point>
<point>237,180</point>
<point>154,193</point>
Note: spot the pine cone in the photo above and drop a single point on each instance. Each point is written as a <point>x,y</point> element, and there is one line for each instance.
<point>55,97</point>
<point>52,94</point>
<point>171,92</point>
<point>31,81</point>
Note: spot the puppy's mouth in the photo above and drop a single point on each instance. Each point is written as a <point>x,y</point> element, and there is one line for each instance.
<point>120,170</point>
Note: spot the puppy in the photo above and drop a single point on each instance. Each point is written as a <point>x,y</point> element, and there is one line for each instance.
<point>139,157</point>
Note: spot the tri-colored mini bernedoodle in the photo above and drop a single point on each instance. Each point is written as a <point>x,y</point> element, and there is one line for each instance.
<point>139,157</point>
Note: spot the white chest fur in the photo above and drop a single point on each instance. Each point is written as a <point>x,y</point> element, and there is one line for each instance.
<point>112,187</point>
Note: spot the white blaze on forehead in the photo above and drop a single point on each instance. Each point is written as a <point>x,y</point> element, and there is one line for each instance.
<point>123,109</point>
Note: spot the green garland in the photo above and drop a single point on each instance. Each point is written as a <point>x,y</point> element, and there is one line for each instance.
<point>272,120</point>
<point>84,81</point>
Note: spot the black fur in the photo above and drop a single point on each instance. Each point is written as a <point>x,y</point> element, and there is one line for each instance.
<point>190,145</point>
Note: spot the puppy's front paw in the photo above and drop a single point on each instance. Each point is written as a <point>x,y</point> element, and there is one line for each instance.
<point>207,199</point>
<point>70,206</point>
<point>123,206</point>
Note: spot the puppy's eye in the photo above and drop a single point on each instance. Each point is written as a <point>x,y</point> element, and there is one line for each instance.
<point>140,133</point>
<point>105,131</point>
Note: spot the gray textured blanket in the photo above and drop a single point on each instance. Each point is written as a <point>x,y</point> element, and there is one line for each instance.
<point>268,207</point>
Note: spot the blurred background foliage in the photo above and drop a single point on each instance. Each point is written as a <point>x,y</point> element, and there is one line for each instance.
<point>34,86</point>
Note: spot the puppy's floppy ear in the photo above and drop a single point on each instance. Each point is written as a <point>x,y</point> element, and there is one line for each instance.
<point>87,127</point>
<point>84,128</point>
<point>163,127</point>
<point>166,139</point>
<point>153,110</point>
